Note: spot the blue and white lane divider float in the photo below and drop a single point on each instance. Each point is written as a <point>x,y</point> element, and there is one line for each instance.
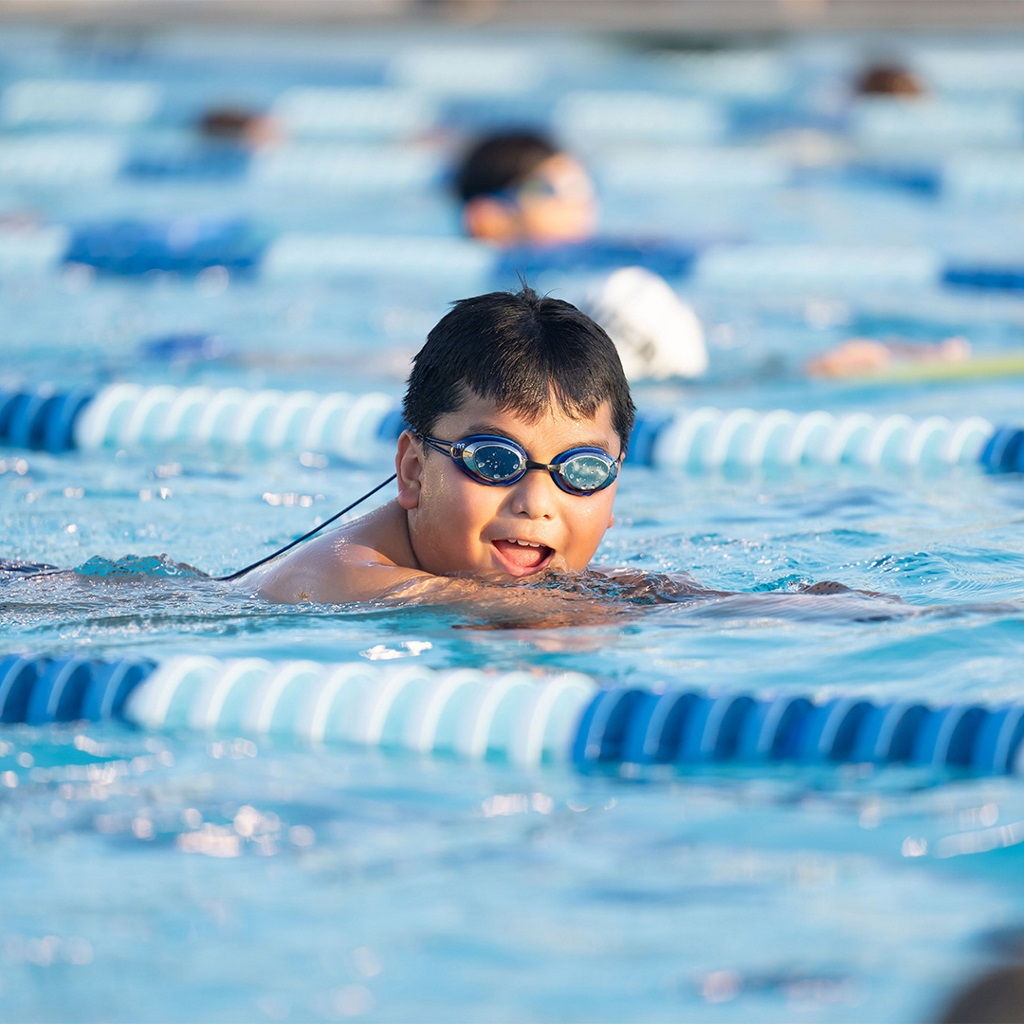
<point>370,111</point>
<point>372,166</point>
<point>363,428</point>
<point>189,246</point>
<point>517,717</point>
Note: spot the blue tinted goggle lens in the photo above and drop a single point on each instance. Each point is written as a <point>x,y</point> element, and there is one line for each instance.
<point>496,463</point>
<point>587,471</point>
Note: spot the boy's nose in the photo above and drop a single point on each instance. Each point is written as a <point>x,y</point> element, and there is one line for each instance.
<point>535,495</point>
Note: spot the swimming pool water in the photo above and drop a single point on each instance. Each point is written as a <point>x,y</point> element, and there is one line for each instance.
<point>158,876</point>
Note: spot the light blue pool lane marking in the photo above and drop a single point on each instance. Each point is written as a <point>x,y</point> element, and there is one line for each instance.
<point>522,718</point>
<point>331,123</point>
<point>191,245</point>
<point>363,428</point>
<point>369,166</point>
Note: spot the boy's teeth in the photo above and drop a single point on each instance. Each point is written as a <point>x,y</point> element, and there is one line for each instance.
<point>524,543</point>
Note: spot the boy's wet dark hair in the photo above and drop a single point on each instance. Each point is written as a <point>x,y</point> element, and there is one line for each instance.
<point>522,352</point>
<point>501,161</point>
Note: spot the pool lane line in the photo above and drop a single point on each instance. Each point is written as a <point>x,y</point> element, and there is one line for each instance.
<point>39,689</point>
<point>192,246</point>
<point>362,429</point>
<point>42,420</point>
<point>365,157</point>
<point>517,717</point>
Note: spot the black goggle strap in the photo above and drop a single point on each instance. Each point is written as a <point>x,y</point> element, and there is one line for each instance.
<point>457,450</point>
<point>298,540</point>
<point>454,450</point>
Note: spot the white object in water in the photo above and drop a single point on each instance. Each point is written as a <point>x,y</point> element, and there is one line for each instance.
<point>657,334</point>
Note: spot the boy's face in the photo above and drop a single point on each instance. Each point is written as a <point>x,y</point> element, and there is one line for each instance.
<point>556,205</point>
<point>459,526</point>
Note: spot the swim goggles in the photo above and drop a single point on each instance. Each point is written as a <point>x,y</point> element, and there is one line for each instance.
<point>530,188</point>
<point>499,462</point>
<point>564,185</point>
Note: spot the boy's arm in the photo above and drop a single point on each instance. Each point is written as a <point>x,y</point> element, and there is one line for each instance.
<point>307,576</point>
<point>546,600</point>
<point>480,602</point>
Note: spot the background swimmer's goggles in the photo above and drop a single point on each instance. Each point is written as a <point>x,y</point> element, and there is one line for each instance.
<point>499,462</point>
<point>531,188</point>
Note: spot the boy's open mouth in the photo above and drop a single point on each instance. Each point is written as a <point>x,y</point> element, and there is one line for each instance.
<point>521,557</point>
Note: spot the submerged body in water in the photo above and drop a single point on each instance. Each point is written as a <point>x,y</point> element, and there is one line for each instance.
<point>549,599</point>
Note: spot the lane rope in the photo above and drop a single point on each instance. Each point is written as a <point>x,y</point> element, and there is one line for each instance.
<point>362,429</point>
<point>518,717</point>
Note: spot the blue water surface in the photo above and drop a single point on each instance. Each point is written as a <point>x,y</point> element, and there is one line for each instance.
<point>179,875</point>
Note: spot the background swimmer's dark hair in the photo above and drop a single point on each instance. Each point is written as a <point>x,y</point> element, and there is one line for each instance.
<point>230,124</point>
<point>994,997</point>
<point>501,160</point>
<point>889,79</point>
<point>517,349</point>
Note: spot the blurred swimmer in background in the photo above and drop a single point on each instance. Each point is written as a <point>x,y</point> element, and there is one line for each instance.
<point>889,78</point>
<point>520,189</point>
<point>239,126</point>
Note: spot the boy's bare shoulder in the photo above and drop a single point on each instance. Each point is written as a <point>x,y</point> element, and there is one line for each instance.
<point>361,561</point>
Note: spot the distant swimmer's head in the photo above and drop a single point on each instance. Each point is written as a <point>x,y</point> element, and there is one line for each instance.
<point>239,126</point>
<point>995,996</point>
<point>518,417</point>
<point>518,187</point>
<point>889,79</point>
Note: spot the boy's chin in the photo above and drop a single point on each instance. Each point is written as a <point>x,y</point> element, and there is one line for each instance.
<point>507,576</point>
<point>554,576</point>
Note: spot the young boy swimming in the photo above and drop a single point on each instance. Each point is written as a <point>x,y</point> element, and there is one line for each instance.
<point>518,416</point>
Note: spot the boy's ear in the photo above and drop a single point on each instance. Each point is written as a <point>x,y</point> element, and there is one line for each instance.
<point>490,220</point>
<point>409,467</point>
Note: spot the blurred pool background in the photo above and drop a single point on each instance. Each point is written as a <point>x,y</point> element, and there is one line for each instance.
<point>225,334</point>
